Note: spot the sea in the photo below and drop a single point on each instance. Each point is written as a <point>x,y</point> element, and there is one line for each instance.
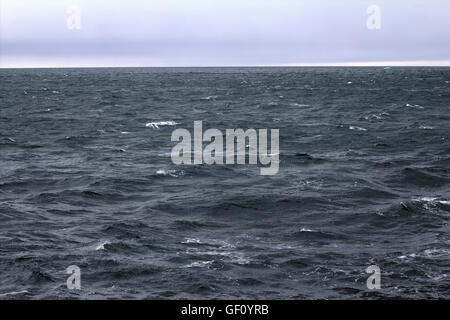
<point>87,180</point>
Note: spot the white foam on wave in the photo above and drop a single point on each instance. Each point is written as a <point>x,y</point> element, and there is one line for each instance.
<point>436,252</point>
<point>357,128</point>
<point>199,264</point>
<point>171,173</point>
<point>414,106</point>
<point>425,199</point>
<point>13,293</point>
<point>209,242</point>
<point>299,105</point>
<point>102,245</point>
<point>191,240</point>
<point>209,98</point>
<point>431,200</point>
<point>427,253</point>
<point>220,249</point>
<point>307,230</point>
<point>156,125</point>
<point>240,260</point>
<point>377,116</point>
<point>234,257</point>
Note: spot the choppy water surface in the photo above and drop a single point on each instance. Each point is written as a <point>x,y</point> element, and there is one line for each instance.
<point>364,179</point>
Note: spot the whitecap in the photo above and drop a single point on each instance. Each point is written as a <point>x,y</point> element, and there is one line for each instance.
<point>357,128</point>
<point>299,105</point>
<point>102,245</point>
<point>199,264</point>
<point>156,125</point>
<point>425,199</point>
<point>191,240</point>
<point>426,128</point>
<point>209,242</point>
<point>415,106</point>
<point>431,200</point>
<point>172,173</point>
<point>209,98</point>
<point>427,253</point>
<point>306,230</point>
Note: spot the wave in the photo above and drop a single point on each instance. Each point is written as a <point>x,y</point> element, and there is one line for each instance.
<point>13,293</point>
<point>427,253</point>
<point>357,128</point>
<point>170,173</point>
<point>420,176</point>
<point>200,264</point>
<point>102,245</point>
<point>209,98</point>
<point>156,125</point>
<point>317,235</point>
<point>414,106</point>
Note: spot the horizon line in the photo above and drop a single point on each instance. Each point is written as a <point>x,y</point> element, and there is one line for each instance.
<point>414,63</point>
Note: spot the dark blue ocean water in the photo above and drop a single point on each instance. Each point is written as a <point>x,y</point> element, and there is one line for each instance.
<point>364,180</point>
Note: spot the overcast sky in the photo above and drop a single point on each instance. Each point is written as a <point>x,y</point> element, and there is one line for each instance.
<point>48,33</point>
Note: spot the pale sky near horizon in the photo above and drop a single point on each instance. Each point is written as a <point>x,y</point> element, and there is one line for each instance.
<point>35,33</point>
